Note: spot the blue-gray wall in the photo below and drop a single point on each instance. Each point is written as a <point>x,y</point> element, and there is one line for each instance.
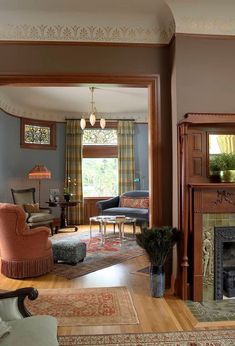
<point>141,156</point>
<point>16,162</point>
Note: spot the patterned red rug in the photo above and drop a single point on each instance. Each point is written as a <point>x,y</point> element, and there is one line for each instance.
<point>98,256</point>
<point>194,338</point>
<point>86,306</point>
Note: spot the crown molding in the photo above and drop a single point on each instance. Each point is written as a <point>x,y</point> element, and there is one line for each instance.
<point>88,33</point>
<point>10,108</point>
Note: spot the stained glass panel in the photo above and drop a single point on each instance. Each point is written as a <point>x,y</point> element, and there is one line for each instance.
<point>37,134</point>
<point>100,137</point>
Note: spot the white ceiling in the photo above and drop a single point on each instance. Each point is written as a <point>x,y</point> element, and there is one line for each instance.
<point>59,103</point>
<point>132,21</point>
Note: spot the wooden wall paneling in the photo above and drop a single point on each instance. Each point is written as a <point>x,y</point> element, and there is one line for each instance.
<point>90,208</point>
<point>197,155</point>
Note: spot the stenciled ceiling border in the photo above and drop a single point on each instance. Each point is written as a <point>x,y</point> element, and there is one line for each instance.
<point>89,33</point>
<point>7,106</point>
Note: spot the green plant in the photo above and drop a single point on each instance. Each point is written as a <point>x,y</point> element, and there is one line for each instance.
<point>157,242</point>
<point>222,162</point>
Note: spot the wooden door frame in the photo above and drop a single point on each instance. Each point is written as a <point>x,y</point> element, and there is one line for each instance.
<point>152,82</point>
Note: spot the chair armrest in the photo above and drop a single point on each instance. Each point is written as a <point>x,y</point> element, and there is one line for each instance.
<point>37,230</point>
<point>12,303</point>
<point>108,203</point>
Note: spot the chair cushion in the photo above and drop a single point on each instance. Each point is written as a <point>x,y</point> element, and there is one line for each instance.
<point>139,214</point>
<point>40,217</point>
<point>32,331</point>
<point>31,208</point>
<point>134,202</point>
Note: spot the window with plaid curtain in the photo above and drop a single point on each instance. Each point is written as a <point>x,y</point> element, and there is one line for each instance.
<point>126,160</point>
<point>73,169</point>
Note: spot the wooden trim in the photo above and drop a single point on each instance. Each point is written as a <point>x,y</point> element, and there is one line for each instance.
<point>100,151</point>
<point>42,123</point>
<point>88,44</point>
<point>209,118</point>
<point>152,82</point>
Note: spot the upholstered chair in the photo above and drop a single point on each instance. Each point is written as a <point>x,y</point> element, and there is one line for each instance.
<point>35,217</point>
<point>25,252</point>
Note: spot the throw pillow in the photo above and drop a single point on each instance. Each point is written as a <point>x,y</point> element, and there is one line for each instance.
<point>4,328</point>
<point>32,208</point>
<point>135,202</point>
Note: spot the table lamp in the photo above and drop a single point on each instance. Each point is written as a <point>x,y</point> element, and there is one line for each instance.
<point>39,172</point>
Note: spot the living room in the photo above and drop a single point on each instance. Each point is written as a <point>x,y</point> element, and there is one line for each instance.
<point>184,70</point>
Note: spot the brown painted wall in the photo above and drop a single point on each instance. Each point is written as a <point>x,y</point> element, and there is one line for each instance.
<point>43,59</point>
<point>205,70</point>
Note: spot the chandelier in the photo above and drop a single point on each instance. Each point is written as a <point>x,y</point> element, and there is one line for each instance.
<point>93,114</point>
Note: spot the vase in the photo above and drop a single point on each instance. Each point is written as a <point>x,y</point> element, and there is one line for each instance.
<point>228,176</point>
<point>157,281</point>
<point>67,197</point>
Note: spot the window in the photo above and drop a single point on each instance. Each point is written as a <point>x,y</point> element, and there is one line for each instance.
<point>100,163</point>
<point>37,134</point>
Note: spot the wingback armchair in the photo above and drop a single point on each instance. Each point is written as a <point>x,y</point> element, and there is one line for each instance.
<point>131,204</point>
<point>40,217</point>
<point>24,252</point>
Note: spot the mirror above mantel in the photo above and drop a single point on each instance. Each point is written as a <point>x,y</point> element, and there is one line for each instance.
<point>207,139</point>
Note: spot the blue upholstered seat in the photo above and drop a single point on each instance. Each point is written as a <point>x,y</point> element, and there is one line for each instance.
<point>111,207</point>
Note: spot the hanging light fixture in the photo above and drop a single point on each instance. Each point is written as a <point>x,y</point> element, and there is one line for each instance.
<point>93,114</point>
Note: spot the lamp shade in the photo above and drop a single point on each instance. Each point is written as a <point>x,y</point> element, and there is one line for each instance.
<point>39,172</point>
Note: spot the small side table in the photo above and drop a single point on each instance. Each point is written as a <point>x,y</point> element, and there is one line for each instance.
<point>104,220</point>
<point>64,205</point>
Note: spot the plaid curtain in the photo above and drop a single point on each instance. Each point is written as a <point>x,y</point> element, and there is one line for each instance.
<point>126,162</point>
<point>73,170</point>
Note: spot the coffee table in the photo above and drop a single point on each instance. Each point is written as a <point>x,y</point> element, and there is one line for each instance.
<point>103,220</point>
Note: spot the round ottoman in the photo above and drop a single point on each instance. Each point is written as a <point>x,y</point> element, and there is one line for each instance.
<point>70,250</point>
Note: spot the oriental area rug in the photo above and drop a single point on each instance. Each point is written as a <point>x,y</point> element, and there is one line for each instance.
<point>194,338</point>
<point>86,306</point>
<point>211,311</point>
<point>98,256</point>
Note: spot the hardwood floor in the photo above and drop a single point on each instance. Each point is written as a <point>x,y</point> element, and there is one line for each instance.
<point>155,314</point>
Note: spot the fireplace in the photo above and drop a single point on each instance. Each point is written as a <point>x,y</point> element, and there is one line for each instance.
<point>224,262</point>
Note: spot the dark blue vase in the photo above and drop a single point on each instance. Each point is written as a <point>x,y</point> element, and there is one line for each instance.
<point>157,281</point>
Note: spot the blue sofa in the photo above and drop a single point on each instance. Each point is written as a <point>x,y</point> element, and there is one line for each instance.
<point>112,207</point>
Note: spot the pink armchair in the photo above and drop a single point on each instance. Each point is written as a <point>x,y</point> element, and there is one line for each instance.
<point>25,252</point>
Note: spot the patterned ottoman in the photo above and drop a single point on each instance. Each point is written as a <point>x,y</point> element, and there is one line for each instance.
<point>70,250</point>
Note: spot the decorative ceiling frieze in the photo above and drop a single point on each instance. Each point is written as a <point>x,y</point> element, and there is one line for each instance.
<point>24,112</point>
<point>88,33</point>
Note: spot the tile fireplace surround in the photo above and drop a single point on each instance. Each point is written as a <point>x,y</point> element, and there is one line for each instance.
<point>224,223</point>
<point>211,206</point>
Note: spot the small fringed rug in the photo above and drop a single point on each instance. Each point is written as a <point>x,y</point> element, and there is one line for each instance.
<point>86,306</point>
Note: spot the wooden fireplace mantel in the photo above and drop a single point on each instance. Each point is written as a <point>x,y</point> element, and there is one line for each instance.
<point>198,195</point>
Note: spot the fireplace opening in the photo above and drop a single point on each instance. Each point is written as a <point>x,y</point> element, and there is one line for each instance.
<point>224,243</point>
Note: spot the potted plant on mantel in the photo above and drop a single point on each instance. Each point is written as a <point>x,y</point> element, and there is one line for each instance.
<point>222,167</point>
<point>157,242</point>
